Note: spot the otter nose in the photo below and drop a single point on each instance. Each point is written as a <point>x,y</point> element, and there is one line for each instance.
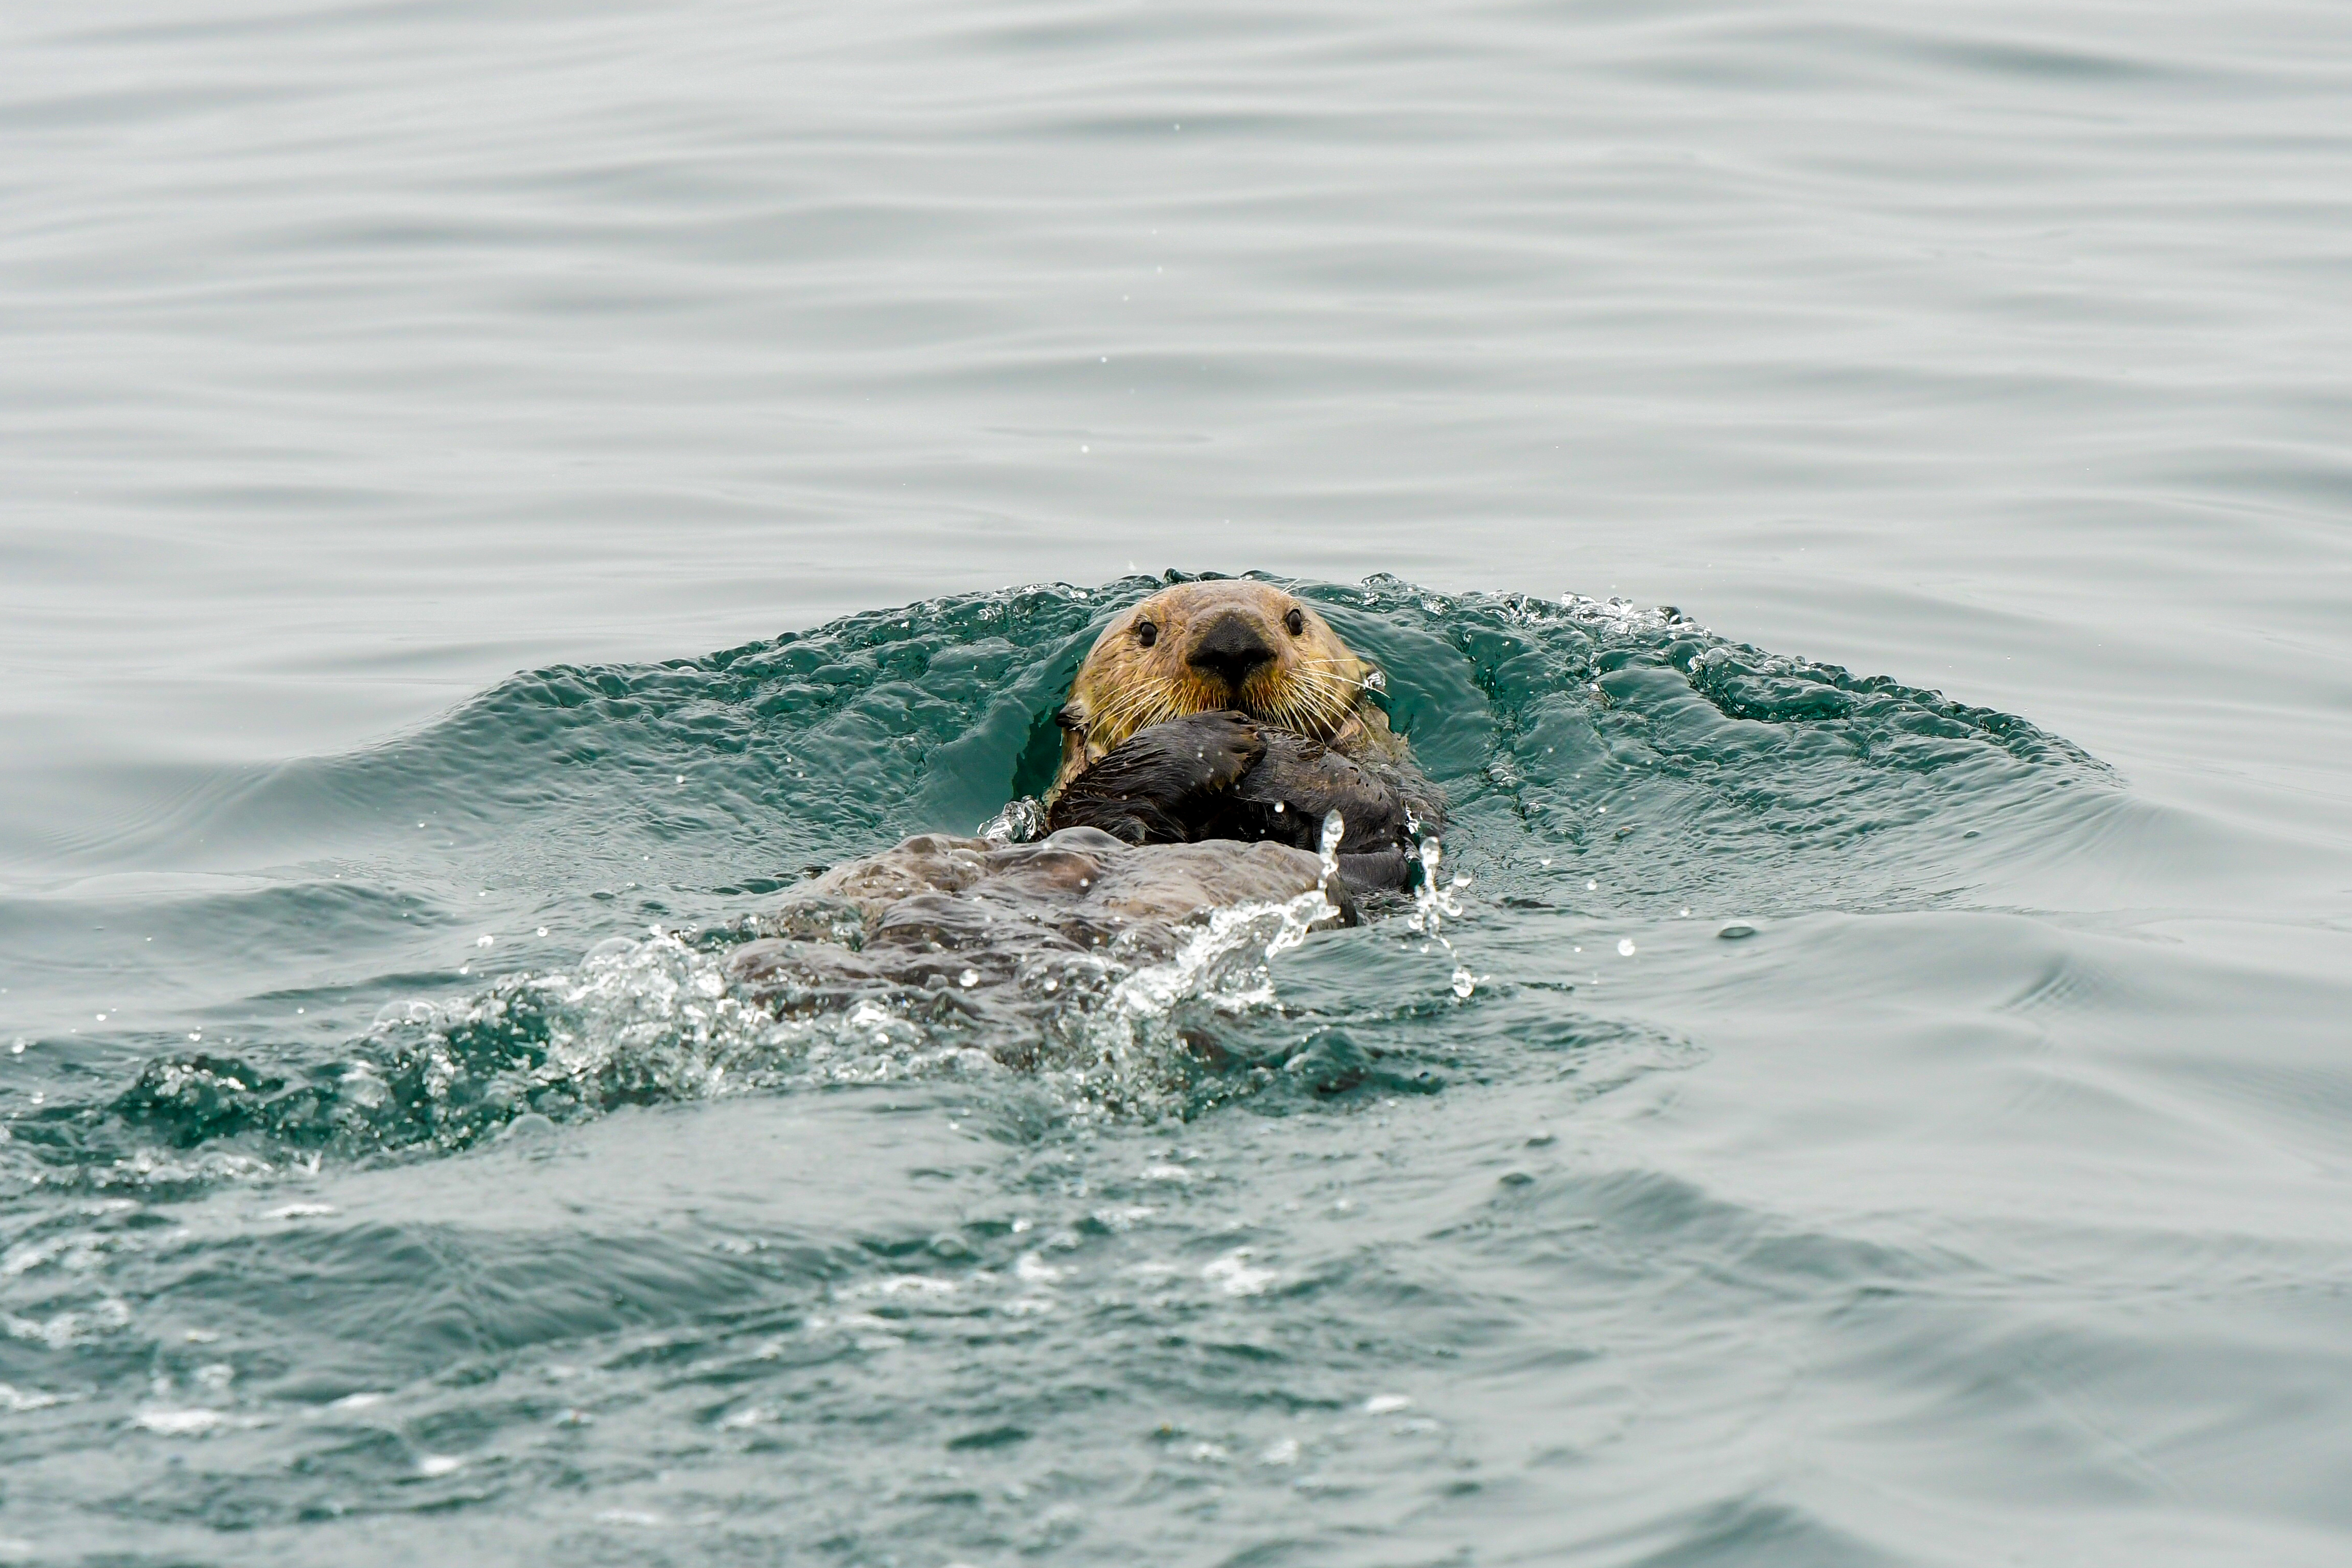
<point>1230,647</point>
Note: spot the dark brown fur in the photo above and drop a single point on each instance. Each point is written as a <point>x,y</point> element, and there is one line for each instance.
<point>1230,710</point>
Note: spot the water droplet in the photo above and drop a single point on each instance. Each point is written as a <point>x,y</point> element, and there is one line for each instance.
<point>1624,946</point>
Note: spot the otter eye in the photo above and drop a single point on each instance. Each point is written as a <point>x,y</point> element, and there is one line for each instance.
<point>1145,633</point>
<point>1296,620</point>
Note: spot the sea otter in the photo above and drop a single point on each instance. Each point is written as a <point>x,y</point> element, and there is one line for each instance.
<point>1208,735</point>
<point>1230,709</point>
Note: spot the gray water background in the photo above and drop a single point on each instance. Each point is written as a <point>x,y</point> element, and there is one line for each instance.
<point>356,357</point>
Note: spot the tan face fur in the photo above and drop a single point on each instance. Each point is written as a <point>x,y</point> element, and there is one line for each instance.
<point>1202,646</point>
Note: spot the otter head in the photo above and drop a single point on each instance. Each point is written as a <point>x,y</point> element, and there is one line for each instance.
<point>1203,646</point>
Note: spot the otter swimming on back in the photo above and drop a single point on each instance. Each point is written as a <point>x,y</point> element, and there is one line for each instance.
<point>1230,709</point>
<point>1225,718</point>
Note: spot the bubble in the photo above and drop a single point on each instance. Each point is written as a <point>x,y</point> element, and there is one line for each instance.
<point>1624,946</point>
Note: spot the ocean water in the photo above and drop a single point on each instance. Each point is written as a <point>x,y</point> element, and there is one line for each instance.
<point>1852,502</point>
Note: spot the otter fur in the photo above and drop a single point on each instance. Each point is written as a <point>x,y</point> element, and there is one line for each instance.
<point>1007,933</point>
<point>1230,709</point>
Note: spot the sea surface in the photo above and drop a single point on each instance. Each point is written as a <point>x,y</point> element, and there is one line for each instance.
<point>1852,502</point>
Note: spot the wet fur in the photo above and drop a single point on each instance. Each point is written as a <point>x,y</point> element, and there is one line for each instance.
<point>1314,686</point>
<point>1159,751</point>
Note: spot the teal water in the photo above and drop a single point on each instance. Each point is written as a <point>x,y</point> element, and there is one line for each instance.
<point>1870,479</point>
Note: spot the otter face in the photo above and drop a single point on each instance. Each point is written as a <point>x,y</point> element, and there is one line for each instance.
<point>1200,647</point>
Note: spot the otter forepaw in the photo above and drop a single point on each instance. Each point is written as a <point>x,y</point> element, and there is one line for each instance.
<point>1141,785</point>
<point>1207,751</point>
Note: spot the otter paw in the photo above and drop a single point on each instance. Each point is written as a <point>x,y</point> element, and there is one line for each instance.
<point>1144,785</point>
<point>1210,751</point>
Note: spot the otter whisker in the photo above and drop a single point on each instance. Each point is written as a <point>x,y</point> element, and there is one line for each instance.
<point>1349,681</point>
<point>1315,696</point>
<point>1358,681</point>
<point>1135,710</point>
<point>1322,683</point>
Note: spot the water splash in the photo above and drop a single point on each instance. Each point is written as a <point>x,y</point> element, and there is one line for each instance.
<point>1433,903</point>
<point>1584,744</point>
<point>1138,1052</point>
<point>1023,821</point>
